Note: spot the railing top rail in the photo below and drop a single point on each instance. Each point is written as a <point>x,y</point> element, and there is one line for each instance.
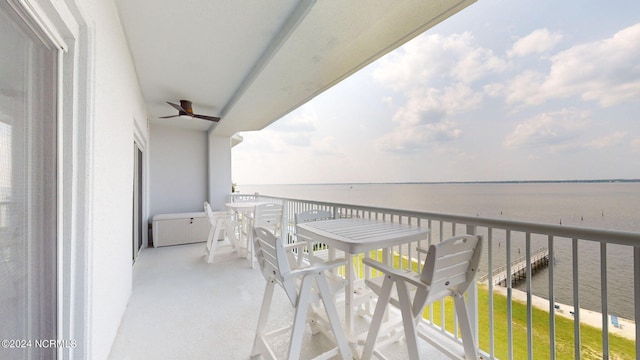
<point>571,232</point>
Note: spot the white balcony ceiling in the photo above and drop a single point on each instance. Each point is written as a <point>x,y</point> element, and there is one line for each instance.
<point>251,62</point>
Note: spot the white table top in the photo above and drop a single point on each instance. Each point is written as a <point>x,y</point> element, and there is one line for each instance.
<point>244,205</point>
<point>359,235</point>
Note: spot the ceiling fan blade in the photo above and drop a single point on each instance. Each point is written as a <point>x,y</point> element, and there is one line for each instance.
<point>205,117</point>
<point>177,107</point>
<point>168,117</point>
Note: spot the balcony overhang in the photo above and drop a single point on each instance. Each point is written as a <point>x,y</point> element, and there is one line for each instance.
<point>252,62</point>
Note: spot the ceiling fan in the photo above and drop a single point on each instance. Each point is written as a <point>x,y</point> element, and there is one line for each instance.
<point>185,109</point>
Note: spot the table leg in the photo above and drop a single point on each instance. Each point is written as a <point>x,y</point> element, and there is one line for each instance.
<point>247,224</point>
<point>348,295</point>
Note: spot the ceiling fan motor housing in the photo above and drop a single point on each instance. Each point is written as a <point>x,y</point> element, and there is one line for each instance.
<point>186,105</point>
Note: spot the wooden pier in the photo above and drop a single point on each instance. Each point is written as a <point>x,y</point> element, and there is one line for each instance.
<point>539,260</point>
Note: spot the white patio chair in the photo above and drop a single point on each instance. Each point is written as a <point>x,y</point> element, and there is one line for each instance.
<point>316,252</point>
<point>303,286</point>
<point>449,269</point>
<point>268,216</point>
<point>221,224</point>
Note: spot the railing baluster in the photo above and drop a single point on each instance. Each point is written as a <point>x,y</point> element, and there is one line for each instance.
<point>441,301</point>
<point>636,294</point>
<point>473,295</point>
<point>576,300</point>
<point>490,294</point>
<point>603,300</point>
<point>552,308</point>
<point>430,226</point>
<point>529,300</point>
<point>509,298</point>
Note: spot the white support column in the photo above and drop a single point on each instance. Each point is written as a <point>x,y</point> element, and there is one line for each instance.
<point>219,170</point>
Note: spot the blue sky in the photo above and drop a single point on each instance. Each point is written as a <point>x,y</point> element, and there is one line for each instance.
<point>504,90</point>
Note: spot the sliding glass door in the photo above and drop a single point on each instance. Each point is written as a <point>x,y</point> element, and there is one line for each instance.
<point>28,195</point>
<point>136,234</point>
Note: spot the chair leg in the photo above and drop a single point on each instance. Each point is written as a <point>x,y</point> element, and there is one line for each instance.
<point>299,319</point>
<point>264,316</point>
<point>207,248</point>
<point>468,340</point>
<point>213,238</point>
<point>250,247</point>
<point>332,314</point>
<point>408,320</point>
<point>230,230</point>
<point>246,229</point>
<point>378,314</point>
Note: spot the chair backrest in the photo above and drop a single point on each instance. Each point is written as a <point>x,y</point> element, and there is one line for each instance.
<point>209,213</point>
<point>312,215</point>
<point>451,265</point>
<point>273,261</point>
<point>268,216</point>
<point>213,216</point>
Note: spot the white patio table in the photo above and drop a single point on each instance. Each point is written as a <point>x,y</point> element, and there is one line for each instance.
<point>355,236</point>
<point>244,206</point>
<point>245,210</point>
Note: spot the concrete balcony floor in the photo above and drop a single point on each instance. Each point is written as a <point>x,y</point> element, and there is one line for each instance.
<point>183,308</point>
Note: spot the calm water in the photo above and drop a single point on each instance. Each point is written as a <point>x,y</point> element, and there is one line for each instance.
<point>613,206</point>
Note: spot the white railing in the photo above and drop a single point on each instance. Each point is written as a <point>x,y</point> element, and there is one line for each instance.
<point>507,235</point>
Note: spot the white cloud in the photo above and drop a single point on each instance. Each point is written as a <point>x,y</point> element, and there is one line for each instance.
<point>562,130</point>
<point>294,134</point>
<point>538,42</point>
<point>436,58</point>
<point>607,140</point>
<point>432,105</point>
<point>408,139</point>
<point>605,71</point>
<point>555,130</point>
<point>326,146</point>
<point>388,100</point>
<point>424,120</point>
<point>525,88</point>
<point>285,135</point>
<point>474,63</point>
<point>436,74</point>
<point>297,122</point>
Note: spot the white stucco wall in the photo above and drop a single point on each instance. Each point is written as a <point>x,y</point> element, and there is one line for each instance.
<point>115,101</point>
<point>178,170</point>
<point>219,170</point>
